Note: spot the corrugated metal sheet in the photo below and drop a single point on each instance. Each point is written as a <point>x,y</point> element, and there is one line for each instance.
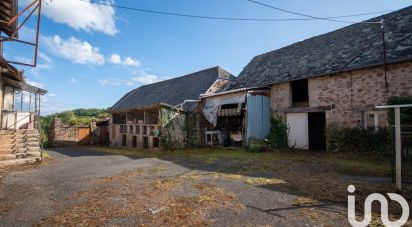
<point>258,117</point>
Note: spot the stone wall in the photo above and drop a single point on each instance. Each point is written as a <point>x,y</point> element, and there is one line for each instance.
<point>280,97</point>
<point>350,93</point>
<point>197,125</point>
<point>60,135</point>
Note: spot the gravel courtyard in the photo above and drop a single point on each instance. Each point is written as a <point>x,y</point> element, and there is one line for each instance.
<point>102,187</point>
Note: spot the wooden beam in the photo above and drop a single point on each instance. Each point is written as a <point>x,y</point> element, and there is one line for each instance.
<point>304,109</point>
<point>23,86</point>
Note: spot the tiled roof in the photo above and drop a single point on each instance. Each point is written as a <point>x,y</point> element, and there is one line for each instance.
<point>352,47</point>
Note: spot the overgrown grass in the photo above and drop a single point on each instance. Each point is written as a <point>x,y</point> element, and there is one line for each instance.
<point>266,161</point>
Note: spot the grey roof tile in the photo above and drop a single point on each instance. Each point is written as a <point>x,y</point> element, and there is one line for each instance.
<point>173,91</point>
<point>352,47</point>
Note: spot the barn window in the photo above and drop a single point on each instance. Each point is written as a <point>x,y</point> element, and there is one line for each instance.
<point>300,92</point>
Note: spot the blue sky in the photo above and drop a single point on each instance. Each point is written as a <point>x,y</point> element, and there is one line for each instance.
<point>91,55</point>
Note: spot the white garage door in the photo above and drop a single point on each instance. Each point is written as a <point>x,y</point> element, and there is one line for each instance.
<point>298,130</point>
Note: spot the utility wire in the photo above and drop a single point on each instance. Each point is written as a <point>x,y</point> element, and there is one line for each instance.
<point>229,18</point>
<point>310,16</point>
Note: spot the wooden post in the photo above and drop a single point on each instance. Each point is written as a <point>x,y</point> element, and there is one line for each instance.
<point>29,102</point>
<point>14,94</point>
<point>21,101</point>
<point>376,121</point>
<point>365,120</point>
<point>398,148</point>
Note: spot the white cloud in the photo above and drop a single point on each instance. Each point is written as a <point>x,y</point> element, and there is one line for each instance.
<point>128,61</point>
<point>131,62</point>
<point>80,52</point>
<point>36,84</point>
<point>143,77</point>
<point>72,81</point>
<point>115,59</point>
<point>43,62</point>
<point>81,15</point>
<point>112,82</point>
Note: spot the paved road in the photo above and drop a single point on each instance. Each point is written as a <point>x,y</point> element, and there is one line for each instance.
<point>32,194</point>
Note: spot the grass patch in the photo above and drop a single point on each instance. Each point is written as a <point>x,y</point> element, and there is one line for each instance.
<point>251,180</point>
<point>305,201</point>
<point>267,161</point>
<point>46,155</point>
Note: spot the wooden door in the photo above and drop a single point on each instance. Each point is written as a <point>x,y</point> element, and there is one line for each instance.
<point>298,130</point>
<point>84,136</point>
<point>103,135</point>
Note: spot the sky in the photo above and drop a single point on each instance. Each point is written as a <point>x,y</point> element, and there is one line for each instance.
<point>91,55</point>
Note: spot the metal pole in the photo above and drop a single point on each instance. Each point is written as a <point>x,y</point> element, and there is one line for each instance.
<point>37,34</point>
<point>398,148</point>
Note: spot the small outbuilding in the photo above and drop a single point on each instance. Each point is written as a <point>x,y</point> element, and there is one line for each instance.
<point>155,115</point>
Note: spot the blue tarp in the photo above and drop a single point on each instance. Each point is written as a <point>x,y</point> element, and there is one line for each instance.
<point>258,117</point>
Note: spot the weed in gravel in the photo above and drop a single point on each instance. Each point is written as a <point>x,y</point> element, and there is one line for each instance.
<point>252,180</point>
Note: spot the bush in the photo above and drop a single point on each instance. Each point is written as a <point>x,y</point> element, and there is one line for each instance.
<point>278,135</point>
<point>406,113</point>
<point>257,145</point>
<point>359,140</point>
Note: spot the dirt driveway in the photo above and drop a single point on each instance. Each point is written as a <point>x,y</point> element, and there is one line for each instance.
<point>81,186</point>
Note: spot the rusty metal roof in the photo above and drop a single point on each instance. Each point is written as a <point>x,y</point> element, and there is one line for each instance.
<point>8,9</point>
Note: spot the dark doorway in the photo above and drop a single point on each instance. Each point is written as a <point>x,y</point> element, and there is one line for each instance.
<point>123,140</point>
<point>317,125</point>
<point>145,142</point>
<point>134,142</point>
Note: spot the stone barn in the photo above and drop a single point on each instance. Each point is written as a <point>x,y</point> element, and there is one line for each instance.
<point>154,115</point>
<point>336,78</point>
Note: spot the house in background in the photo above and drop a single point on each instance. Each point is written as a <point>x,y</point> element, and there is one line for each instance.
<point>336,78</point>
<point>19,102</point>
<point>154,114</point>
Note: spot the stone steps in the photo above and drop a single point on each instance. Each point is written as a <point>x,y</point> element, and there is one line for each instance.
<point>19,140</point>
<point>19,155</point>
<point>19,161</point>
<point>6,150</point>
<point>19,147</point>
<point>19,131</point>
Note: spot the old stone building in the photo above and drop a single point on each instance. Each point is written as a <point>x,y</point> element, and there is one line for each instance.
<point>155,114</point>
<point>336,78</point>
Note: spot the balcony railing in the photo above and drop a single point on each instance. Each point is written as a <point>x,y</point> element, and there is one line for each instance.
<point>19,120</point>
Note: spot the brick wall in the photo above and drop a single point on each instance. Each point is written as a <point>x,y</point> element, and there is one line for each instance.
<point>351,92</point>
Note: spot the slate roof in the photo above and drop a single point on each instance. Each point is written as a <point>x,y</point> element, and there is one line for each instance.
<point>173,91</point>
<point>352,47</point>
